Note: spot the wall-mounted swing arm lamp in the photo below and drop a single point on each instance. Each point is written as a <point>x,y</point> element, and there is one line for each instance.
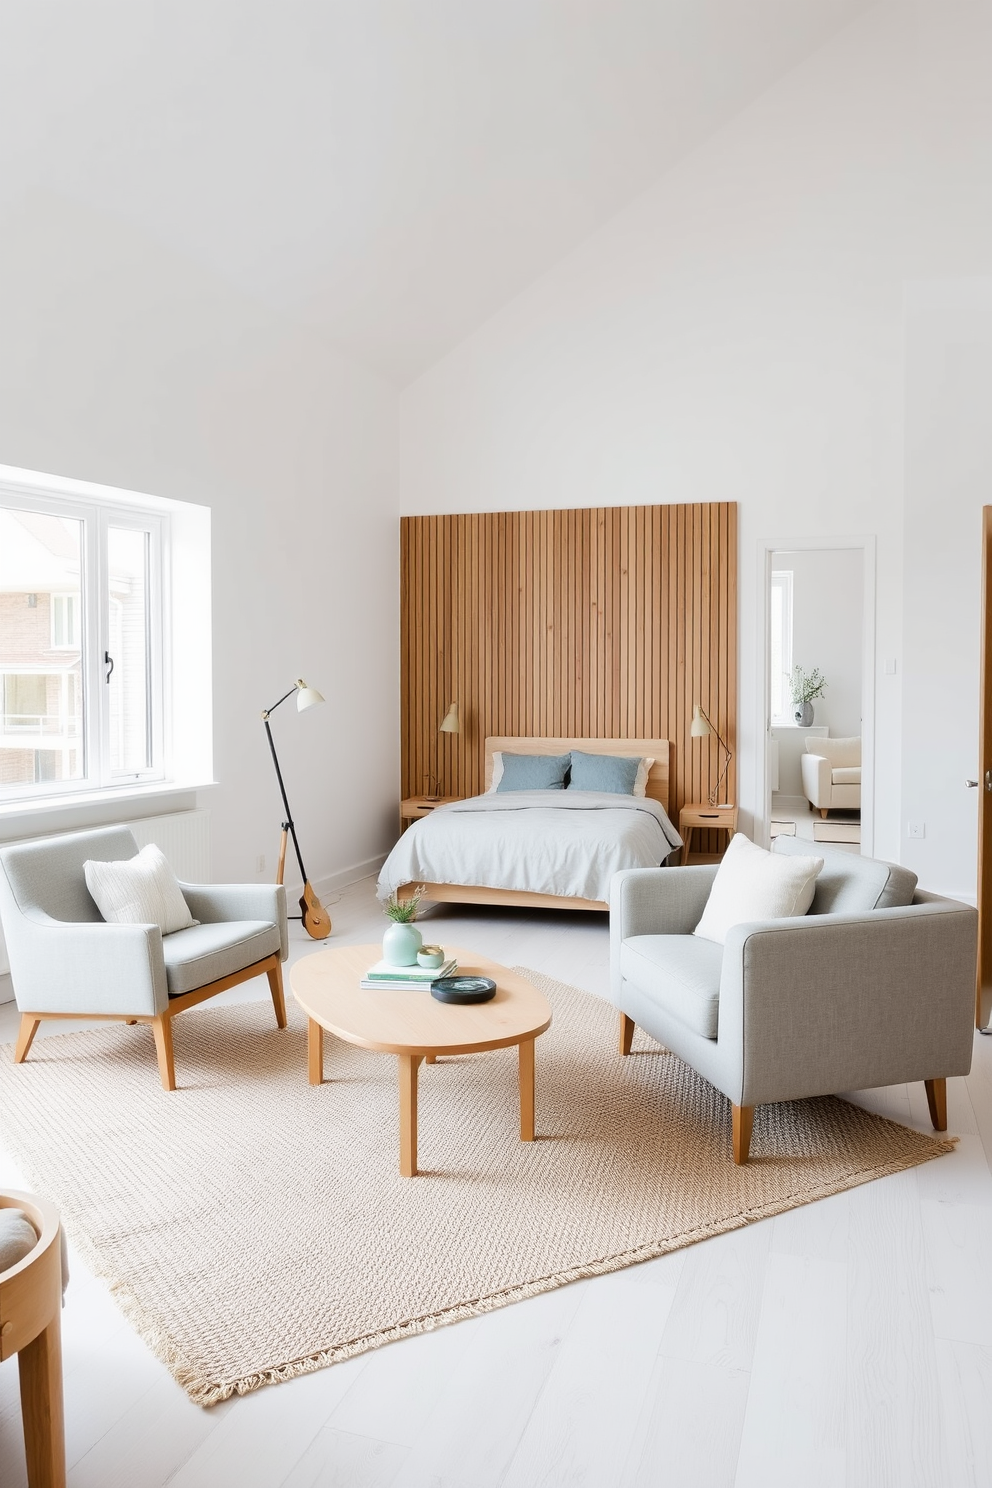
<point>701,727</point>
<point>316,920</point>
<point>449,725</point>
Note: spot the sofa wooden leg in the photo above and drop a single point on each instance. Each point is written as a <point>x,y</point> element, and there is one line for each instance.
<point>937,1101</point>
<point>162,1029</point>
<point>743,1121</point>
<point>278,1000</point>
<point>627,1026</point>
<point>25,1036</point>
<point>823,812</point>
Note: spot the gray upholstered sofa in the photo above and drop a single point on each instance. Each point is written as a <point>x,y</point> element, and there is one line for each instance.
<point>874,986</point>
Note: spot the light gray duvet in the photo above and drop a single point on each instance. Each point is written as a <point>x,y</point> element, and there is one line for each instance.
<point>546,842</point>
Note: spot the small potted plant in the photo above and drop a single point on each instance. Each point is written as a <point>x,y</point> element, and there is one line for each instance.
<point>805,687</point>
<point>402,939</point>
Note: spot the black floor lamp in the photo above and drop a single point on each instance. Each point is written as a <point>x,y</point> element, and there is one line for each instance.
<point>316,920</point>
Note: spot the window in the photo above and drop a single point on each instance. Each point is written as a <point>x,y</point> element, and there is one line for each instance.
<point>65,622</point>
<point>781,647</point>
<point>82,644</point>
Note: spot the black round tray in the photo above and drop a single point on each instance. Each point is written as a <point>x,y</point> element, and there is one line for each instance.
<point>463,989</point>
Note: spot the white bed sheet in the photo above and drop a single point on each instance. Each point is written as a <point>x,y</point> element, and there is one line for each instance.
<point>568,843</point>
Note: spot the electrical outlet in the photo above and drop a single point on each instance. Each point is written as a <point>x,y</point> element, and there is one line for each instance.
<point>916,829</point>
<point>260,863</point>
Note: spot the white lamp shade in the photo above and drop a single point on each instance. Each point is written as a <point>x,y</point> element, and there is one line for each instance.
<point>306,697</point>
<point>701,725</point>
<point>449,723</point>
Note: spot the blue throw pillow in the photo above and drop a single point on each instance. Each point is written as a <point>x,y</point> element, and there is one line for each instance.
<point>613,773</point>
<point>533,772</point>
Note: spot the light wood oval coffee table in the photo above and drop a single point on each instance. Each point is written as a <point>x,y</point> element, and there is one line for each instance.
<point>415,1026</point>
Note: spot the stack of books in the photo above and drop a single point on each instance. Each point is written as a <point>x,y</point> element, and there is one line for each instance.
<point>406,978</point>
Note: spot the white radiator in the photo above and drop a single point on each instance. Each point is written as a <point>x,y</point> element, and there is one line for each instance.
<point>183,836</point>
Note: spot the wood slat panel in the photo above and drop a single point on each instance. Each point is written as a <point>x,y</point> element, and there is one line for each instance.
<point>607,622</point>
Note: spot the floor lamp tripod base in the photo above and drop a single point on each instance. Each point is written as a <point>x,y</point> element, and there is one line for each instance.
<point>316,920</point>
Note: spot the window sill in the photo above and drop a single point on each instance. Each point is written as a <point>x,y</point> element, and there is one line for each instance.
<point>88,808</point>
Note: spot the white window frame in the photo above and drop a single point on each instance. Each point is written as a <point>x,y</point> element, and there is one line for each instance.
<point>97,517</point>
<point>780,638</point>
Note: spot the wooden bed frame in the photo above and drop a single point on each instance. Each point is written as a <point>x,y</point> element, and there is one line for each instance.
<point>656,788</point>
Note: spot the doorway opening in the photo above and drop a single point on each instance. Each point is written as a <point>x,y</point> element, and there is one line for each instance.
<point>819,691</point>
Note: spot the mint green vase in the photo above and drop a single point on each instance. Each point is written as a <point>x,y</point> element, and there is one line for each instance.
<point>401,943</point>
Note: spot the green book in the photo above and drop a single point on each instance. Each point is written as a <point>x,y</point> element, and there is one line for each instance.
<point>384,971</point>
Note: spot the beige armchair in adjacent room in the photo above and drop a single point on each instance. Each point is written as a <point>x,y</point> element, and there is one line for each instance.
<point>66,961</point>
<point>832,774</point>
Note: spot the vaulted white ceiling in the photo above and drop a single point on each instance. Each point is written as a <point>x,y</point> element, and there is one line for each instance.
<point>386,172</point>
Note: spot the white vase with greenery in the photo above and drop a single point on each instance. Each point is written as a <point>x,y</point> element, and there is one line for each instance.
<point>402,939</point>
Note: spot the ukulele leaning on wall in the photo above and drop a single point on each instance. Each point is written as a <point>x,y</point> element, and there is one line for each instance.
<point>316,920</point>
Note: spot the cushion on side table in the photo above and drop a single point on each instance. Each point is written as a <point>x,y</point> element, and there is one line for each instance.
<point>17,1237</point>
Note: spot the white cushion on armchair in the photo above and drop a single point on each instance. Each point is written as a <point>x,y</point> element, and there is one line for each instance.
<point>841,753</point>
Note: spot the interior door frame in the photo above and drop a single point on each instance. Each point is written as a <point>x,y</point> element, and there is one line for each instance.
<point>983,894</point>
<point>762,692</point>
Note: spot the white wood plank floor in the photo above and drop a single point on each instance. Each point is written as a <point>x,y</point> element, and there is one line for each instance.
<point>845,1343</point>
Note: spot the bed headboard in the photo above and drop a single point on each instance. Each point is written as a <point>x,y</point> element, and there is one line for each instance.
<point>657,782</point>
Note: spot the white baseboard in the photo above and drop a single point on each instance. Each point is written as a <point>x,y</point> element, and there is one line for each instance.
<point>332,883</point>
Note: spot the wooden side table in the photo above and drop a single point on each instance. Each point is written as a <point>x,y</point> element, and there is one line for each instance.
<point>31,1328</point>
<point>416,806</point>
<point>696,814</point>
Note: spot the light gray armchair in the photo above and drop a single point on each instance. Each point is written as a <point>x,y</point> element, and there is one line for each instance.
<point>874,986</point>
<point>67,962</point>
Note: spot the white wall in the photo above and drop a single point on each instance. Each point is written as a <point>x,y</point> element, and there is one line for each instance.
<point>740,333</point>
<point>124,364</point>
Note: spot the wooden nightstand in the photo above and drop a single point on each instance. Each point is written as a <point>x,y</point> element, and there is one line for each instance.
<point>695,814</point>
<point>415,806</point>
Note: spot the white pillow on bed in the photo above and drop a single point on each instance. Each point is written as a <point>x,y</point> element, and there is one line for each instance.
<point>641,778</point>
<point>497,771</point>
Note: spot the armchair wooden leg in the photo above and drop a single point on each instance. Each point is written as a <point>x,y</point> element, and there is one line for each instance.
<point>162,1029</point>
<point>39,1365</point>
<point>278,1000</point>
<point>937,1101</point>
<point>823,812</point>
<point>25,1036</point>
<point>743,1121</point>
<point>627,1026</point>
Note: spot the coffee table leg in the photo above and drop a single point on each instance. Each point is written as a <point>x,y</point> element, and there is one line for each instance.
<point>315,1052</point>
<point>409,1064</point>
<point>526,1049</point>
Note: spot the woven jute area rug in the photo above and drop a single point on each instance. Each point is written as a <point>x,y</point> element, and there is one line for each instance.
<point>253,1227</point>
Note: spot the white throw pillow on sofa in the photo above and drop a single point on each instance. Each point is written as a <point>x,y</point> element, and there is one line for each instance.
<point>139,891</point>
<point>752,884</point>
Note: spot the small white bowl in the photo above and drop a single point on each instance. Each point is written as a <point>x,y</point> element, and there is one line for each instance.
<point>430,956</point>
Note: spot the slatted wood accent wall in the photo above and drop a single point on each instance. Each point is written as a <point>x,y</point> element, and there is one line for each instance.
<point>606,622</point>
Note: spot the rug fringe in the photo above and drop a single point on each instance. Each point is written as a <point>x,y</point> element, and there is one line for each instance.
<point>213,1392</point>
